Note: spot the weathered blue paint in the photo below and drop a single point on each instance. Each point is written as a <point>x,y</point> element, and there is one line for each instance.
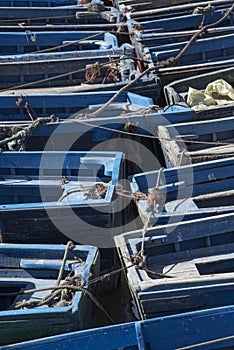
<point>192,262</point>
<point>170,11</point>
<point>89,132</point>
<point>210,139</point>
<point>140,40</point>
<point>22,43</point>
<point>36,208</point>
<point>37,266</point>
<point>203,56</point>
<point>178,23</point>
<point>87,51</point>
<point>70,105</point>
<point>37,3</point>
<point>80,27</point>
<point>71,73</point>
<point>145,6</point>
<point>171,332</point>
<point>200,51</point>
<point>57,15</point>
<point>189,191</point>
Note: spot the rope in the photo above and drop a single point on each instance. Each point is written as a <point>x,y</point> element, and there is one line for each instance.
<point>97,191</point>
<point>38,121</point>
<point>68,44</point>
<point>154,203</point>
<point>181,155</point>
<point>203,10</point>
<point>218,143</point>
<point>137,196</point>
<point>70,245</point>
<point>125,87</point>
<point>56,292</point>
<point>24,133</point>
<point>109,274</point>
<point>209,342</point>
<point>201,31</point>
<point>58,76</point>
<point>74,284</point>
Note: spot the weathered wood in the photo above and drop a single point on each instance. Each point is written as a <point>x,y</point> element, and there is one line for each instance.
<point>38,267</point>
<point>191,263</point>
<point>188,181</point>
<point>188,329</point>
<point>179,151</point>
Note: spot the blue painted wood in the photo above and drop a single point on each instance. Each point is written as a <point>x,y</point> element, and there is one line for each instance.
<point>175,29</point>
<point>70,105</point>
<point>191,266</point>
<point>89,48</point>
<point>200,51</point>
<point>189,191</point>
<point>37,266</point>
<point>178,23</point>
<point>57,15</point>
<point>211,139</point>
<point>88,133</point>
<point>160,37</point>
<point>203,56</point>
<point>36,208</point>
<point>188,329</point>
<point>170,11</point>
<point>38,15</point>
<point>144,5</point>
<point>20,43</point>
<point>71,72</point>
<point>31,193</point>
<point>35,3</point>
<point>99,27</point>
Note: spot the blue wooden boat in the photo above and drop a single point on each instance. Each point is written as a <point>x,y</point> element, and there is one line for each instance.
<point>177,10</point>
<point>203,56</point>
<point>200,51</point>
<point>185,266</point>
<point>37,188</point>
<point>200,141</point>
<point>89,132</point>
<point>36,3</point>
<point>90,48</point>
<point>73,123</point>
<point>48,197</point>
<point>168,75</point>
<point>144,39</point>
<point>184,22</point>
<point>68,127</point>
<point>59,15</point>
<point>177,91</point>
<point>32,267</point>
<point>20,43</point>
<point>185,192</point>
<point>209,329</point>
<point>70,105</point>
<point>143,5</point>
<point>82,74</point>
<point>175,29</point>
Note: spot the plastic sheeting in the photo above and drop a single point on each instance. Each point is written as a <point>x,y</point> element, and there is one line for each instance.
<point>216,90</point>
